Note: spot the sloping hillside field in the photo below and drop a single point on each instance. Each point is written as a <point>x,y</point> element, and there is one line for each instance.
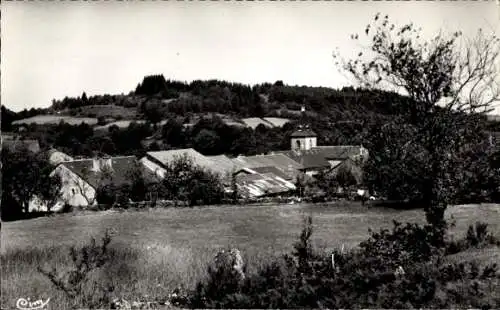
<point>164,248</point>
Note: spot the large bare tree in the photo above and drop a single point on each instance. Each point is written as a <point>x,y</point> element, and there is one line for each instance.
<point>449,83</point>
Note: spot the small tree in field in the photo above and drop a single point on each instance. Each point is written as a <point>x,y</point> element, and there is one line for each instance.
<point>187,182</point>
<point>449,83</point>
<point>24,176</point>
<point>49,188</point>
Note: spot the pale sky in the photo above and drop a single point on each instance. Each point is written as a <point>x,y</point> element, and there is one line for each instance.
<point>57,49</point>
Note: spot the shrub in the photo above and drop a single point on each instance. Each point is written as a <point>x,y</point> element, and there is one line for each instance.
<point>86,260</point>
<point>476,237</point>
<point>398,268</point>
<point>185,182</point>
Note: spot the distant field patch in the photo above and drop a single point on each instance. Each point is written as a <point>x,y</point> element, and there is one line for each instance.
<point>253,122</point>
<point>120,124</point>
<point>125,123</point>
<point>110,110</point>
<point>55,119</point>
<point>277,121</point>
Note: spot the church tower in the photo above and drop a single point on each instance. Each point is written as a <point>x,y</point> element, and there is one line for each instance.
<point>303,139</point>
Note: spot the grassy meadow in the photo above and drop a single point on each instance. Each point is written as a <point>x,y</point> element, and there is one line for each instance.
<point>159,249</point>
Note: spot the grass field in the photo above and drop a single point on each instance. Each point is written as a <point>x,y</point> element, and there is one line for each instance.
<point>55,119</point>
<point>109,110</point>
<point>164,248</point>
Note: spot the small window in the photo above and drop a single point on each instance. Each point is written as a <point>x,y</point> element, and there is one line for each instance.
<point>73,191</point>
<point>298,144</point>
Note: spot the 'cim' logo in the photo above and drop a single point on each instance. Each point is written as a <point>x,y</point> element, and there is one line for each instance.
<point>26,304</point>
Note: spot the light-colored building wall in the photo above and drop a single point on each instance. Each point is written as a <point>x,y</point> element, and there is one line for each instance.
<point>74,190</point>
<point>303,143</point>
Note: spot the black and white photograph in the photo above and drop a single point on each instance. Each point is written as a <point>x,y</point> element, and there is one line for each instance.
<point>250,155</point>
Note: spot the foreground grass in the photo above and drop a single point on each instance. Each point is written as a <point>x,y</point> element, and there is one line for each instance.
<point>158,250</point>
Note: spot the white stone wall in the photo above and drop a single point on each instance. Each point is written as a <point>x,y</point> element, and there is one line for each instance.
<point>75,191</point>
<point>305,143</point>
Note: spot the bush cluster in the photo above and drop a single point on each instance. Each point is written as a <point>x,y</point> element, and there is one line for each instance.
<point>398,268</point>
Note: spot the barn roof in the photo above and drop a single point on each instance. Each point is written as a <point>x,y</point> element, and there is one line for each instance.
<point>120,167</point>
<point>258,185</point>
<point>270,169</point>
<point>223,164</point>
<point>321,156</point>
<point>303,133</point>
<point>283,163</point>
<point>164,157</point>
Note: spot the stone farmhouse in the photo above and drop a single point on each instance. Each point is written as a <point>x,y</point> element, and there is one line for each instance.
<point>81,178</point>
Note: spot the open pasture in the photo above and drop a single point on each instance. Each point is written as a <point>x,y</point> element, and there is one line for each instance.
<point>163,248</point>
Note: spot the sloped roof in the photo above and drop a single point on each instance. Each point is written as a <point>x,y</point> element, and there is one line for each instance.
<point>31,145</point>
<point>303,133</point>
<point>269,169</point>
<point>308,159</point>
<point>223,164</point>
<point>164,157</point>
<point>318,157</point>
<point>285,164</point>
<point>120,167</point>
<point>258,185</point>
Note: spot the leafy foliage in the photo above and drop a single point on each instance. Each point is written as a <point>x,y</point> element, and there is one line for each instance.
<point>186,182</point>
<point>24,176</point>
<point>398,268</point>
<point>430,149</point>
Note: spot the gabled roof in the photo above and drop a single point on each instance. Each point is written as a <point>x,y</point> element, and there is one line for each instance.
<point>269,169</point>
<point>285,164</point>
<point>16,144</point>
<point>321,156</point>
<point>165,157</point>
<point>303,133</point>
<point>223,164</point>
<point>308,159</point>
<point>120,167</point>
<point>257,185</point>
<point>218,165</point>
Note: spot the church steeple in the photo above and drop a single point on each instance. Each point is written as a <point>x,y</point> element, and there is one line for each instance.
<point>303,138</point>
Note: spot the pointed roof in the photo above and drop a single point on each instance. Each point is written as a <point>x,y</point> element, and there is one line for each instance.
<point>120,167</point>
<point>285,164</point>
<point>303,133</point>
<point>322,156</point>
